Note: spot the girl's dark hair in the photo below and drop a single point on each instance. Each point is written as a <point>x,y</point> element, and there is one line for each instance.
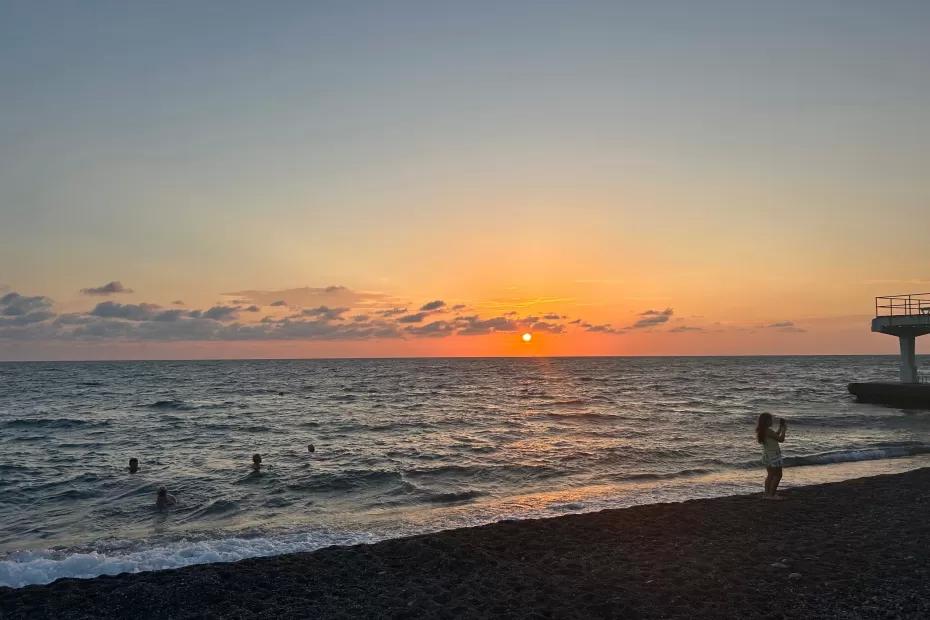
<point>765,421</point>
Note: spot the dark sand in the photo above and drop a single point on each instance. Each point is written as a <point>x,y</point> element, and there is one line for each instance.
<point>856,549</point>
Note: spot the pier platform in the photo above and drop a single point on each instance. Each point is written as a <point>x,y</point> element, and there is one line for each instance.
<point>907,395</point>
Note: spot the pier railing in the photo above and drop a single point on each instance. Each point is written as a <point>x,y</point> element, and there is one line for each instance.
<point>911,304</point>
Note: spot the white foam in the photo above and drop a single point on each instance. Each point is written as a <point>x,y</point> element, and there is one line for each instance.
<point>39,567</point>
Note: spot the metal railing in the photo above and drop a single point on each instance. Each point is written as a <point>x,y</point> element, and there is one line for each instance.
<point>911,304</point>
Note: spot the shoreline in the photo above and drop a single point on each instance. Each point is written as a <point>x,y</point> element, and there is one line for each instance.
<point>858,548</point>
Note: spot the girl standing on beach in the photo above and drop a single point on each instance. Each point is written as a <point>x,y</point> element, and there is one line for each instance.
<point>771,452</point>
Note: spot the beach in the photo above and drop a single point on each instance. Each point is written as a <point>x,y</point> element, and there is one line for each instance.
<point>857,549</point>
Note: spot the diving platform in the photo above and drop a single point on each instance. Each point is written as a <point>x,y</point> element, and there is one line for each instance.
<point>907,317</point>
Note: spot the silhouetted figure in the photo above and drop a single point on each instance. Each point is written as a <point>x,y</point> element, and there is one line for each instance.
<point>164,499</point>
<point>771,452</point>
<point>256,462</point>
<point>133,465</point>
<point>310,448</point>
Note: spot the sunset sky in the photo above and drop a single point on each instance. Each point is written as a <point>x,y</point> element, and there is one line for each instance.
<point>310,179</point>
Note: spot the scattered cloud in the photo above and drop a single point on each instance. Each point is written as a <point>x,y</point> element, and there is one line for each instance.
<point>110,288</point>
<point>392,311</point>
<point>326,313</point>
<point>681,329</point>
<point>371,316</point>
<point>435,329</point>
<point>14,304</point>
<point>651,318</point>
<point>130,312</point>
<point>785,326</point>
<point>413,318</point>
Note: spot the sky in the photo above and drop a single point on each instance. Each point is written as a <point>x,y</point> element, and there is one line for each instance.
<point>213,180</point>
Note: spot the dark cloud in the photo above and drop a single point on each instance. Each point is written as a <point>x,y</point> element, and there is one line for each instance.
<point>129,312</point>
<point>458,307</point>
<point>308,297</point>
<point>392,312</point>
<point>604,328</point>
<point>543,326</point>
<point>14,304</point>
<point>177,302</point>
<point>476,326</point>
<point>785,326</point>
<point>221,313</point>
<point>26,318</point>
<point>326,313</point>
<point>110,288</point>
<point>435,329</point>
<point>651,318</point>
<point>685,328</point>
<point>412,318</point>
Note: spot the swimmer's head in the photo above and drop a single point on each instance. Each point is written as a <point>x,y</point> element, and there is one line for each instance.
<point>310,448</point>
<point>256,460</point>
<point>133,465</point>
<point>162,492</point>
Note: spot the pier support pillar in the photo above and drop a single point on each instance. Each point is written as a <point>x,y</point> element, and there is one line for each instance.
<point>908,359</point>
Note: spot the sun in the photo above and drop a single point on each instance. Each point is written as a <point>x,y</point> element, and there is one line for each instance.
<point>527,337</point>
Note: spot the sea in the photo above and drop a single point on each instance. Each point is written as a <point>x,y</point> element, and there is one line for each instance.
<point>402,447</point>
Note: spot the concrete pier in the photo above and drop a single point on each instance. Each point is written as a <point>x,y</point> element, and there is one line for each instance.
<point>907,317</point>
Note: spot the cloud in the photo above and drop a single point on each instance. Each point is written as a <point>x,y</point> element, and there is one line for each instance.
<point>685,328</point>
<point>129,312</point>
<point>435,329</point>
<point>326,313</point>
<point>313,296</point>
<point>14,304</point>
<point>221,313</point>
<point>371,316</point>
<point>110,288</point>
<point>604,328</point>
<point>651,318</point>
<point>543,326</point>
<point>458,307</point>
<point>476,326</point>
<point>785,326</point>
<point>392,311</point>
<point>412,318</point>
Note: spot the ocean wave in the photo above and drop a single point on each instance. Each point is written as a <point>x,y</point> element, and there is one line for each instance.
<point>38,567</point>
<point>448,498</point>
<point>860,454</point>
<point>179,405</point>
<point>662,476</point>
<point>54,423</point>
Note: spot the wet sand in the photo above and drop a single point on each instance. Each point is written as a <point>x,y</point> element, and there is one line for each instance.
<point>853,549</point>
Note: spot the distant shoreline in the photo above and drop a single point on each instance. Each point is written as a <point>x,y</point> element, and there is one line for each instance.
<point>856,548</point>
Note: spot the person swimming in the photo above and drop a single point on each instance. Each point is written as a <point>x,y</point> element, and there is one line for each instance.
<point>256,462</point>
<point>771,452</point>
<point>133,465</point>
<point>311,448</point>
<point>164,499</point>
